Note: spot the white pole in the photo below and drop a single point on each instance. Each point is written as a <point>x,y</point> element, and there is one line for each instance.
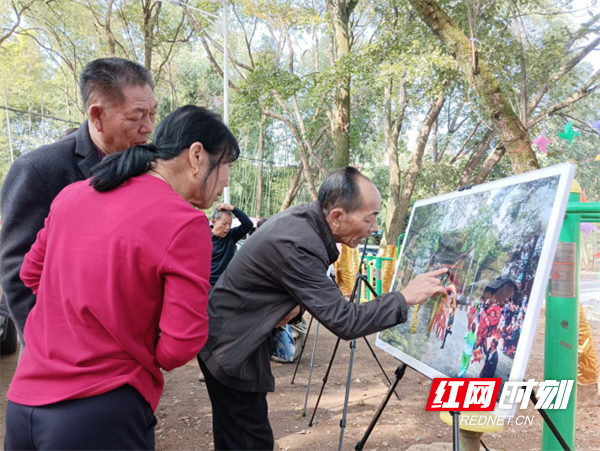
<point>225,62</point>
<point>12,155</point>
<point>226,195</point>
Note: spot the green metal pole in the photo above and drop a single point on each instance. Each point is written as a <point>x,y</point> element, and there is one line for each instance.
<point>590,218</point>
<point>400,238</point>
<point>369,258</point>
<point>582,207</point>
<point>378,282</point>
<point>562,322</point>
<point>379,273</point>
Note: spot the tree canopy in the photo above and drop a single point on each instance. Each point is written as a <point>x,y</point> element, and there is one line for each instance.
<point>422,95</point>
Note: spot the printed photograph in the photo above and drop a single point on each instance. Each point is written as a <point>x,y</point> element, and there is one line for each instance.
<point>491,243</point>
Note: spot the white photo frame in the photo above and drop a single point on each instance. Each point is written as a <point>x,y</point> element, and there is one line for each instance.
<point>547,191</point>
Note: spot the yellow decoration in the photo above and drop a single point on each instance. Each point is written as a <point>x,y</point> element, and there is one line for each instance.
<point>415,319</point>
<point>345,269</point>
<point>587,365</point>
<point>597,158</point>
<point>575,187</point>
<point>388,266</point>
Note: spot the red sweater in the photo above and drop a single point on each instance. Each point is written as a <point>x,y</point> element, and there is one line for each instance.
<point>121,280</point>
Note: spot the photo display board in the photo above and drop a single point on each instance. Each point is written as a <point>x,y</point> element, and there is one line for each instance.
<point>498,241</point>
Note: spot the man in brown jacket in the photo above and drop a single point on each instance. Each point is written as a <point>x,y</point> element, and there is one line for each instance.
<point>281,268</point>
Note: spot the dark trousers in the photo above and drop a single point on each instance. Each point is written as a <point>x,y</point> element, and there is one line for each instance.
<point>240,418</point>
<point>120,419</point>
<point>448,332</point>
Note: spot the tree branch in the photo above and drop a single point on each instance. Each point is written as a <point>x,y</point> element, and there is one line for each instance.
<point>45,116</point>
<point>464,144</point>
<point>214,63</point>
<point>248,41</point>
<point>18,13</point>
<point>586,89</point>
<point>562,71</point>
<point>489,163</point>
<point>484,84</point>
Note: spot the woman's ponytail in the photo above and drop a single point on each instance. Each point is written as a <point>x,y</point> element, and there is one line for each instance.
<point>174,135</point>
<point>116,169</point>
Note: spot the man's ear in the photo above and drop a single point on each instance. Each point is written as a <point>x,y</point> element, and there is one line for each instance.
<point>335,217</point>
<point>95,112</point>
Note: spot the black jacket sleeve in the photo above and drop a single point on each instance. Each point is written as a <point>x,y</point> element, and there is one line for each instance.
<point>245,226</point>
<point>25,202</point>
<point>304,276</point>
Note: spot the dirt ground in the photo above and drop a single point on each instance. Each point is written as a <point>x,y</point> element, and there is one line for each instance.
<point>185,417</point>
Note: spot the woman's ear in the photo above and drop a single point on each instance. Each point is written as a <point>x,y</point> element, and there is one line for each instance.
<point>197,154</point>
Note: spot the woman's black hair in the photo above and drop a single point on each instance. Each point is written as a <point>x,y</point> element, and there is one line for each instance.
<point>175,134</point>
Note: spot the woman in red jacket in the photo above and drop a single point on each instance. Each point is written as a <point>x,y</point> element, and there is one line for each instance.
<point>121,274</point>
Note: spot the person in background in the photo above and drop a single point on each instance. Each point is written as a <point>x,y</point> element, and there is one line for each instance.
<point>449,324</point>
<point>491,359</point>
<point>261,222</point>
<point>67,132</point>
<point>281,268</point>
<point>121,274</point>
<point>469,340</point>
<point>119,101</point>
<point>224,237</point>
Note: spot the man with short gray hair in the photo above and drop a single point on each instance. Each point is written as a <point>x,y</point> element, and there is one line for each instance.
<point>281,268</point>
<point>224,237</point>
<point>119,101</point>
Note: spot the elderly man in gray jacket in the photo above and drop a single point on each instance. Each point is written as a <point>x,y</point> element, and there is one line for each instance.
<point>281,268</point>
<point>119,101</point>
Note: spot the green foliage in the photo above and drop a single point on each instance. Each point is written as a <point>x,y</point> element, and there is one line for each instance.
<point>40,63</point>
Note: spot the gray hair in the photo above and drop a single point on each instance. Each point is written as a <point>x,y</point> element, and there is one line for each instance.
<point>340,189</point>
<point>216,214</point>
<point>108,76</point>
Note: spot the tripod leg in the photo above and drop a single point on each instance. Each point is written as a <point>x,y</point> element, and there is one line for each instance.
<point>302,351</point>
<point>380,366</point>
<point>370,288</point>
<point>455,431</point>
<point>310,369</point>
<point>399,374</point>
<point>347,398</point>
<point>550,424</point>
<point>337,343</point>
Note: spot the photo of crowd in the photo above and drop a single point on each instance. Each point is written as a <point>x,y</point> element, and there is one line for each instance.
<point>491,243</point>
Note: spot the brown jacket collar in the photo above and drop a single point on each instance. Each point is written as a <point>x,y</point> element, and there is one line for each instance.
<point>322,227</point>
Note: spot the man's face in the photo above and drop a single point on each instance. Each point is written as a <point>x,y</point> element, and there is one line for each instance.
<point>130,123</point>
<point>222,225</point>
<point>351,228</point>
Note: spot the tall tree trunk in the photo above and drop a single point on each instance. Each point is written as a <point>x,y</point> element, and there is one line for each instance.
<point>395,225</point>
<point>109,36</point>
<point>339,13</point>
<point>259,171</point>
<point>512,132</point>
<point>434,143</point>
<point>489,163</point>
<point>392,126</point>
<point>293,189</point>
<point>476,158</point>
<point>150,21</point>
